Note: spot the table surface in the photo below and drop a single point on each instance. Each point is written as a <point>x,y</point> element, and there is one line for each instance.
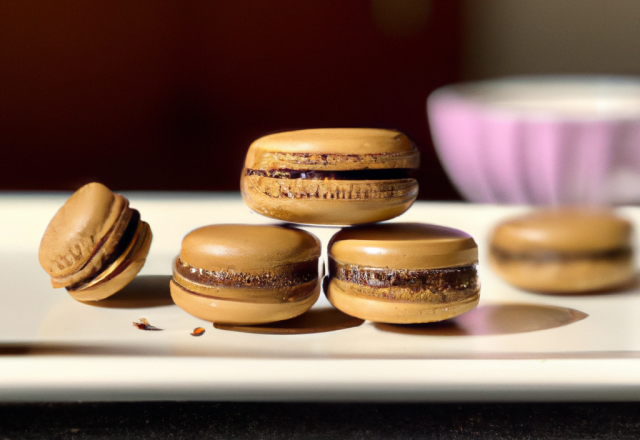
<point>290,421</point>
<point>515,346</point>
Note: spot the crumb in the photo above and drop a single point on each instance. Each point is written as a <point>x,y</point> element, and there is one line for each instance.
<point>198,332</point>
<point>143,324</point>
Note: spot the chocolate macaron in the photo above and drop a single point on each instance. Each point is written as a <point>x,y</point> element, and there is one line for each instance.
<point>403,273</point>
<point>245,274</point>
<point>564,250</point>
<point>342,176</point>
<point>95,244</point>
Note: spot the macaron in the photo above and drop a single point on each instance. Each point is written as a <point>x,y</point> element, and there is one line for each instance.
<point>246,274</point>
<point>564,250</point>
<point>403,273</point>
<point>340,176</point>
<point>95,244</point>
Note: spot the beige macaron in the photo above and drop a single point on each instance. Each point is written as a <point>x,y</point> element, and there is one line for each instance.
<point>564,250</point>
<point>245,274</point>
<point>403,273</point>
<point>95,244</point>
<point>340,176</point>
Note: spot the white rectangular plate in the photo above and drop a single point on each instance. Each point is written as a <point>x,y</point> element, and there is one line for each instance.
<point>516,345</point>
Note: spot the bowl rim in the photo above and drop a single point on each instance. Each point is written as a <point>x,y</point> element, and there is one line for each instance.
<point>469,94</point>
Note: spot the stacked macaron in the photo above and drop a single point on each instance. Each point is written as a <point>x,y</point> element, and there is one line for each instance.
<point>403,273</point>
<point>399,273</point>
<point>395,272</point>
<point>331,176</point>
<point>246,274</point>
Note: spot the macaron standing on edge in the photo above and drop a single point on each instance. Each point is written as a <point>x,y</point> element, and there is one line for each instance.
<point>95,244</point>
<point>341,176</point>
<point>564,250</point>
<point>402,273</point>
<point>246,274</point>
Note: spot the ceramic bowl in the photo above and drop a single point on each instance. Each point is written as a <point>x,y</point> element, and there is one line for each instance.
<point>541,140</point>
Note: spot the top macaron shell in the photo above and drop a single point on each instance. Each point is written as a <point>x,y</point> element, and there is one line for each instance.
<point>569,230</point>
<point>411,246</point>
<point>368,148</point>
<point>77,228</point>
<point>245,248</point>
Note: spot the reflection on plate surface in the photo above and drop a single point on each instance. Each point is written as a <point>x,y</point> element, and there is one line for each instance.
<point>496,319</point>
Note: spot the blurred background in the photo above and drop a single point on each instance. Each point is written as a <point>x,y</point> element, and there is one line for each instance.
<point>168,95</point>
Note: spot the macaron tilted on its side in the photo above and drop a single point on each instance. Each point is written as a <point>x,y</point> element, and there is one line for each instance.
<point>245,274</point>
<point>403,273</point>
<point>95,244</point>
<point>331,176</point>
<point>564,250</point>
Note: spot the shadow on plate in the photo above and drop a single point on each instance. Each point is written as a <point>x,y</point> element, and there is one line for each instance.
<point>312,321</point>
<point>143,291</point>
<point>496,319</point>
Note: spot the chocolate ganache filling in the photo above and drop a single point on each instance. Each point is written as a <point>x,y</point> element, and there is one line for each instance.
<point>407,284</point>
<point>375,174</point>
<point>285,276</point>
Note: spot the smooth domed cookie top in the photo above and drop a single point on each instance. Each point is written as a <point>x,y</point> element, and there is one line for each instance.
<point>78,227</point>
<point>247,247</point>
<point>341,141</point>
<point>336,140</point>
<point>563,230</point>
<point>403,246</point>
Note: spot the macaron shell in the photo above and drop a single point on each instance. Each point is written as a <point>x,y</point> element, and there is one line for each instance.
<point>327,202</point>
<point>237,312</point>
<point>395,312</point>
<point>411,246</point>
<point>567,230</point>
<point>134,261</point>
<point>81,223</point>
<point>565,276</point>
<point>305,149</point>
<point>243,248</point>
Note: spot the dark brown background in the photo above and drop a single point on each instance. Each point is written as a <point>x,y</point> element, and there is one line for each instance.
<point>154,95</point>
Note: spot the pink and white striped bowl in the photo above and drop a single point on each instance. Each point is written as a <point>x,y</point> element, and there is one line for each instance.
<point>541,140</point>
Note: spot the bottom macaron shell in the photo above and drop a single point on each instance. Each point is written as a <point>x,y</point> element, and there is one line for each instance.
<point>396,312</point>
<point>238,312</point>
<point>564,277</point>
<point>332,205</point>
